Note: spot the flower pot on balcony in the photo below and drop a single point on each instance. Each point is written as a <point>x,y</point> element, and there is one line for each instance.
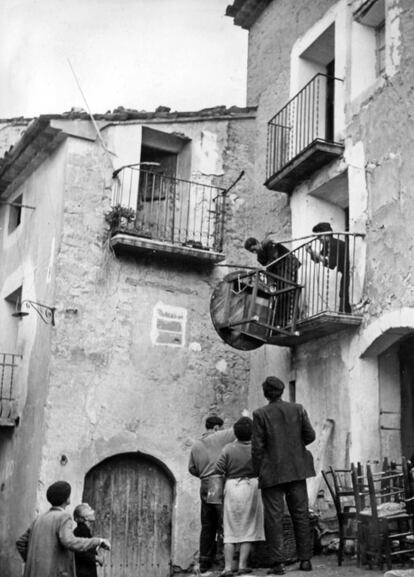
<point>120,217</point>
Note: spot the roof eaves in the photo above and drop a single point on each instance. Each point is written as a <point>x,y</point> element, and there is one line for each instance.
<point>30,151</point>
<point>246,12</point>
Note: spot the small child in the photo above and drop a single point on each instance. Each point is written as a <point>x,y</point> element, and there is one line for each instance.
<point>85,561</point>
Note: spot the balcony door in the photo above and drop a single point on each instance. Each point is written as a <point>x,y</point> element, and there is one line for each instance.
<point>316,65</point>
<point>157,194</point>
<point>330,101</point>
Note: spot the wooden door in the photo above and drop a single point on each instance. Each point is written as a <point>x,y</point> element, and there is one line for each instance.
<point>406,356</point>
<point>132,497</point>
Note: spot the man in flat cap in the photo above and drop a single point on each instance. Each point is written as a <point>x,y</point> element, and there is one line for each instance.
<point>47,546</point>
<point>281,431</point>
<point>333,253</point>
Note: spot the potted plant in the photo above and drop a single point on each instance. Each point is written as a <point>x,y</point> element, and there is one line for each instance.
<point>120,216</point>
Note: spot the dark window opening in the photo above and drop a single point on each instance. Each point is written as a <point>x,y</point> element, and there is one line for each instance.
<point>330,100</point>
<point>292,391</point>
<point>346,213</point>
<point>15,298</point>
<point>15,213</point>
<point>152,184</point>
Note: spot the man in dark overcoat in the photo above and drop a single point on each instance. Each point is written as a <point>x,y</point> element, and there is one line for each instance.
<point>281,431</point>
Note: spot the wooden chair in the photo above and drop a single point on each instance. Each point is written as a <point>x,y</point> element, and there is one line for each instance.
<point>386,528</point>
<point>339,484</point>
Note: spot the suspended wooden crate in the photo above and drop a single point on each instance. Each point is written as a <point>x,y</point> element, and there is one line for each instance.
<point>249,308</point>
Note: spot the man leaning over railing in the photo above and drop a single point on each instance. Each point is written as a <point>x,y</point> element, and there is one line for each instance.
<point>333,254</point>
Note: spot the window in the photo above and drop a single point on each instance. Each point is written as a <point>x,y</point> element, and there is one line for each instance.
<point>9,324</point>
<point>292,391</point>
<point>368,45</point>
<point>155,181</point>
<point>380,48</point>
<point>15,213</point>
<point>14,298</point>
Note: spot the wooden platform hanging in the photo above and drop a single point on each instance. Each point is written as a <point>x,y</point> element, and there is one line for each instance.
<point>249,308</point>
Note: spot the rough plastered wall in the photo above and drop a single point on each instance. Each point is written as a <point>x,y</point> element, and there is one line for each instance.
<point>268,81</point>
<point>390,176</point>
<point>270,42</point>
<point>27,260</point>
<point>332,379</point>
<point>271,39</point>
<point>113,389</point>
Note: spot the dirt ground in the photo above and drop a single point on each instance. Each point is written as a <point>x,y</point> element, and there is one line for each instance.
<point>323,566</point>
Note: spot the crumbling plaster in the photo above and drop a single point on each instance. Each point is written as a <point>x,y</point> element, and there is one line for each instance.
<point>271,39</point>
<point>379,174</point>
<point>123,393</point>
<point>27,261</point>
<point>390,174</point>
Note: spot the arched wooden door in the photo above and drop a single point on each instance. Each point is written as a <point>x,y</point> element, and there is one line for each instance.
<point>133,497</point>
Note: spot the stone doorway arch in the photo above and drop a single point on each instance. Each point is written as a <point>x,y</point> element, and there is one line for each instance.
<point>132,495</point>
<point>390,339</point>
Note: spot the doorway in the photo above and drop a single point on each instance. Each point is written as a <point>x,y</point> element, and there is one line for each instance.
<point>132,495</point>
<point>330,101</point>
<point>396,382</point>
<point>406,358</point>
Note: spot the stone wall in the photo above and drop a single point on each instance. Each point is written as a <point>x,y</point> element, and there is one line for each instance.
<point>113,389</point>
<point>332,378</point>
<point>27,260</point>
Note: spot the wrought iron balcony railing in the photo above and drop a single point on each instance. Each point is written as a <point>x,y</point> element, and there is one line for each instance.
<point>170,210</point>
<point>305,294</point>
<point>325,269</point>
<point>8,366</point>
<point>308,118</point>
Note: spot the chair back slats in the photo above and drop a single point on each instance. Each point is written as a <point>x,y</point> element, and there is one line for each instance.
<point>384,503</point>
<point>359,487</point>
<point>339,484</point>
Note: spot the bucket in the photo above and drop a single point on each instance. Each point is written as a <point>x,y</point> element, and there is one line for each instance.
<point>215,490</point>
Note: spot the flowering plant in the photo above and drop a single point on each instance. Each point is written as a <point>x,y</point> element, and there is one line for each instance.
<point>119,215</point>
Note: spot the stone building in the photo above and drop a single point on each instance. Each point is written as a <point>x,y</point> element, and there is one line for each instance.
<point>332,82</point>
<point>111,397</point>
<point>111,237</point>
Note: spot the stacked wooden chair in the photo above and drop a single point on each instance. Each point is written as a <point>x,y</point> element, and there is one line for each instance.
<point>385,511</point>
<point>339,483</point>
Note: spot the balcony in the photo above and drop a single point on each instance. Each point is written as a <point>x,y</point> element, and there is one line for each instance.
<point>304,295</point>
<point>300,137</point>
<point>168,216</point>
<point>8,409</point>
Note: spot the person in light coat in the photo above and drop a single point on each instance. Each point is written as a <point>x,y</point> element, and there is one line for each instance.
<point>48,544</point>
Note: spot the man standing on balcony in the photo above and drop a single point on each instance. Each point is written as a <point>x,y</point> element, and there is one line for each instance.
<point>267,252</point>
<point>334,253</point>
<point>281,431</point>
<point>202,463</point>
<point>286,268</point>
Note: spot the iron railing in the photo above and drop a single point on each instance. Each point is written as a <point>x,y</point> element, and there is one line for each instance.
<point>306,118</point>
<point>324,267</point>
<point>8,366</point>
<point>171,210</point>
